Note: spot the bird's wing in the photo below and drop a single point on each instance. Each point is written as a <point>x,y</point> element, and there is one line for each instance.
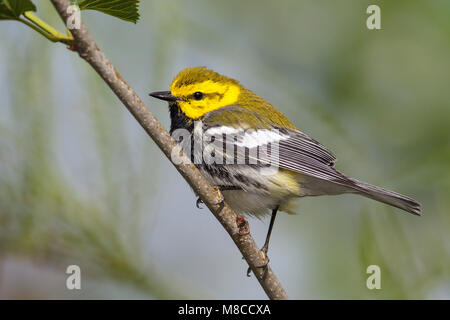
<point>292,150</point>
<point>288,148</point>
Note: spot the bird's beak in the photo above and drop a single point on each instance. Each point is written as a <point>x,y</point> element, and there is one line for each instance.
<point>164,95</point>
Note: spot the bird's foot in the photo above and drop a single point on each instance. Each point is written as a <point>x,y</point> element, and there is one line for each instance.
<point>265,259</point>
<point>220,198</point>
<point>198,203</point>
<point>219,201</point>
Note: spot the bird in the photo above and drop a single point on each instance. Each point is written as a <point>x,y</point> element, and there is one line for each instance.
<point>259,160</point>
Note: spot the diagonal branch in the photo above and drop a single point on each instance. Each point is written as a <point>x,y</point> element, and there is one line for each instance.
<point>89,51</point>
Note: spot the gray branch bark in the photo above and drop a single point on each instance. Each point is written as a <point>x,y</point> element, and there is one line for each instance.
<point>89,51</point>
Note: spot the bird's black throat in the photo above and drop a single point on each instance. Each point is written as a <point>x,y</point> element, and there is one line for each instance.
<point>178,119</point>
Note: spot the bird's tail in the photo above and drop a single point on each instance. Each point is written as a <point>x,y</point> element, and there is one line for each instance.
<point>386,196</point>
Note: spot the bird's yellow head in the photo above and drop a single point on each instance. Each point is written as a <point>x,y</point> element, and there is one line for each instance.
<point>199,90</point>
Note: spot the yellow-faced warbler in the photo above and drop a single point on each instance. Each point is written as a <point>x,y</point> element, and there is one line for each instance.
<point>246,136</point>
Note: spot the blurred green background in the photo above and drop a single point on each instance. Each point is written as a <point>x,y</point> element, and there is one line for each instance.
<point>81,183</point>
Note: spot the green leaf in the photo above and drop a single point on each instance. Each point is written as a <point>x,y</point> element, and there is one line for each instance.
<point>12,9</point>
<point>123,9</point>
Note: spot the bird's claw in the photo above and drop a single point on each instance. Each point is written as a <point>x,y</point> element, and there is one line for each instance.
<point>219,201</point>
<point>264,265</point>
<point>220,198</point>
<point>198,203</point>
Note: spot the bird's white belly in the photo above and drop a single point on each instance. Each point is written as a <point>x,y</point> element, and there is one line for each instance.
<point>251,203</point>
<point>258,193</point>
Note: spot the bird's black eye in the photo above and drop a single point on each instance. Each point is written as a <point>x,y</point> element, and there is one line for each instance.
<point>198,95</point>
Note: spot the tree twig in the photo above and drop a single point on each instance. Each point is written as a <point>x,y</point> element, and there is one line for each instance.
<point>89,51</point>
